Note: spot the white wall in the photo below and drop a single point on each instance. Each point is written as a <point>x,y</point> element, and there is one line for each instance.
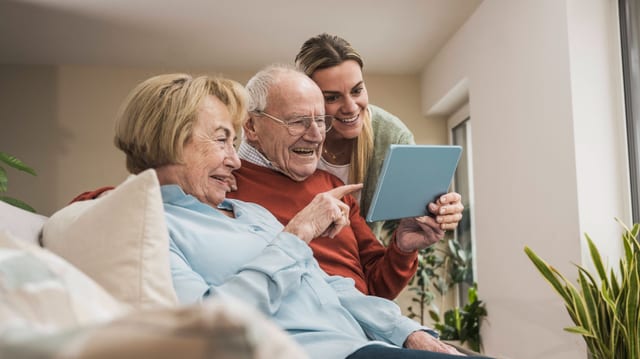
<point>548,156</point>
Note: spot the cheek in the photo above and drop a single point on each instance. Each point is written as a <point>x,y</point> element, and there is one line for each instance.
<point>331,108</point>
<point>363,100</point>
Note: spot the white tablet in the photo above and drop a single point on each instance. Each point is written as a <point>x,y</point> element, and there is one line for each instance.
<point>412,176</point>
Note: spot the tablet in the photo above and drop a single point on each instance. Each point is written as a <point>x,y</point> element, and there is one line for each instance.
<point>412,176</point>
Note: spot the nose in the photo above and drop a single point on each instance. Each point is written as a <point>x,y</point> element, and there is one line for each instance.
<point>314,133</point>
<point>231,159</point>
<point>349,105</point>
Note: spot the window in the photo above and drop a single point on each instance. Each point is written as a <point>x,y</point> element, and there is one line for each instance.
<point>629,12</point>
<point>460,134</point>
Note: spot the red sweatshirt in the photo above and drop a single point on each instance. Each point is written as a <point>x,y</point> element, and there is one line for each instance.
<point>354,252</point>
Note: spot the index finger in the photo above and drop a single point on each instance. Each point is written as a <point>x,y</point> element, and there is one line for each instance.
<point>344,190</point>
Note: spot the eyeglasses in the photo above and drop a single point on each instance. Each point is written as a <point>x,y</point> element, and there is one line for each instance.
<point>300,124</point>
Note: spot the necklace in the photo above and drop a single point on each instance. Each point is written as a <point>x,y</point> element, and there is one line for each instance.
<point>336,158</point>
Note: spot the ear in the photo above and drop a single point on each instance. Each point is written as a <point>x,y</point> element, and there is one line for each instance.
<point>250,130</point>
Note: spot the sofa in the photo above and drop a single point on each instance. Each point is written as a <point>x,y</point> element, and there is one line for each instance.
<point>93,281</point>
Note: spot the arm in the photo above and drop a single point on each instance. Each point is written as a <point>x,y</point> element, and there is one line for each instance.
<point>386,270</point>
<point>262,282</point>
<point>380,318</point>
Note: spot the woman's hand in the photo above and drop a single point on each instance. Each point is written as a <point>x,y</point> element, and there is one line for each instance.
<point>420,232</point>
<point>326,215</point>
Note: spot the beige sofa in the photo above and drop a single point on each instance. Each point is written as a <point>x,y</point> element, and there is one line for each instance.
<point>101,288</point>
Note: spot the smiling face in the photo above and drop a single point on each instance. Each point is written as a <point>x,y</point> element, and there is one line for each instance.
<point>345,97</point>
<point>296,156</point>
<point>208,155</point>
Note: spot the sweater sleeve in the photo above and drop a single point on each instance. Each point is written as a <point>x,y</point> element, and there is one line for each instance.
<point>387,270</point>
<point>261,283</point>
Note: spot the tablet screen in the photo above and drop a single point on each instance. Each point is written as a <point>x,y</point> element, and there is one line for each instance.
<point>412,176</point>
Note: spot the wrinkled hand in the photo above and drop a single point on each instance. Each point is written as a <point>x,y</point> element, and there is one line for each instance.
<point>420,232</point>
<point>326,215</point>
<point>420,340</point>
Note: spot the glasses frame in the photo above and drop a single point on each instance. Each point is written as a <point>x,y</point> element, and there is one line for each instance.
<point>307,122</point>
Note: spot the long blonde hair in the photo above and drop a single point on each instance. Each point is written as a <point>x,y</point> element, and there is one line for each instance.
<point>321,52</point>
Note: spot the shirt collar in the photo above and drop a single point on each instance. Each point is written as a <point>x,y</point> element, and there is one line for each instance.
<point>251,154</point>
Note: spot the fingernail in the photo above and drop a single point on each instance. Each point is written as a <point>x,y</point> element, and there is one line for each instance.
<point>443,198</point>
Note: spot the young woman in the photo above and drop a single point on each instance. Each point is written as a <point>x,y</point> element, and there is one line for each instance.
<point>361,133</point>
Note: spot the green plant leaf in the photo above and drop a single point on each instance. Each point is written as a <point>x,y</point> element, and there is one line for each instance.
<point>17,203</point>
<point>3,180</point>
<point>16,163</point>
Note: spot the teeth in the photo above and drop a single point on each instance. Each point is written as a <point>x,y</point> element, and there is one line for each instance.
<point>348,120</point>
<point>304,151</point>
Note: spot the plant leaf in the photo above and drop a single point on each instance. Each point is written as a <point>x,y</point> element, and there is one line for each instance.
<point>3,180</point>
<point>17,203</point>
<point>16,163</point>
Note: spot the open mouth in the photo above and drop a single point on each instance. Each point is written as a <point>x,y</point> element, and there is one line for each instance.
<point>349,120</point>
<point>304,151</point>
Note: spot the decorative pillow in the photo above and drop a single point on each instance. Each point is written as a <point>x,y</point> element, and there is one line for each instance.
<point>25,225</point>
<point>213,329</point>
<point>41,292</point>
<point>119,240</point>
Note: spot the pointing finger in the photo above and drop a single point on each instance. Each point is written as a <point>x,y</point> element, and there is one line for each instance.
<point>342,191</point>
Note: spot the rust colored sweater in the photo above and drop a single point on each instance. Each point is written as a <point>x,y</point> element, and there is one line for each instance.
<point>354,252</point>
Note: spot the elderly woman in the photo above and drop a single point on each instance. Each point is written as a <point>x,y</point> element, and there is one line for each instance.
<point>184,128</point>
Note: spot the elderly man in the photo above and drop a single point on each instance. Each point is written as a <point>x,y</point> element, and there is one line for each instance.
<point>282,144</point>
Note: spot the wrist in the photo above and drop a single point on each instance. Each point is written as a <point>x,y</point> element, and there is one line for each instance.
<point>400,247</point>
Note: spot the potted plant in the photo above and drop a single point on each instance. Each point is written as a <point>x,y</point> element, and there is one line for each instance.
<point>463,324</point>
<point>604,306</point>
<point>440,268</point>
<point>20,166</point>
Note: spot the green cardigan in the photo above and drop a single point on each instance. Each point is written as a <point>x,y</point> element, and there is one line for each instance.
<point>387,130</point>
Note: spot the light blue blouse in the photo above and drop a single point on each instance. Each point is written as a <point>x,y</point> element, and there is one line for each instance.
<point>249,258</point>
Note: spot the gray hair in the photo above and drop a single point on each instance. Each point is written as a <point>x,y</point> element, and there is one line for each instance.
<point>260,84</point>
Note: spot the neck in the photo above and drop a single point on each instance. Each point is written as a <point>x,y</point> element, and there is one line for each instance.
<point>337,152</point>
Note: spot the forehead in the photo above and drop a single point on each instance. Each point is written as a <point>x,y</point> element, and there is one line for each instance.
<point>295,94</point>
<point>347,73</point>
<point>213,114</point>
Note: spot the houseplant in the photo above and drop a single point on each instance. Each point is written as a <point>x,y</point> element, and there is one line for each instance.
<point>20,166</point>
<point>464,323</point>
<point>440,268</point>
<point>605,306</point>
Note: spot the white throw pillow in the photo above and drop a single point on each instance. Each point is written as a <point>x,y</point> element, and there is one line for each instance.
<point>42,293</point>
<point>119,240</point>
<point>24,225</point>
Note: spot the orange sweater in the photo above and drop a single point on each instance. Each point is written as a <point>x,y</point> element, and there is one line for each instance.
<point>354,252</point>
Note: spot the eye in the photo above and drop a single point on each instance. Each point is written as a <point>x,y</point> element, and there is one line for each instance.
<point>296,122</point>
<point>357,90</point>
<point>330,98</point>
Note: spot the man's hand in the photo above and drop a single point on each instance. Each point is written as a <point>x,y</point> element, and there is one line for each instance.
<point>326,215</point>
<point>421,232</point>
<point>420,340</point>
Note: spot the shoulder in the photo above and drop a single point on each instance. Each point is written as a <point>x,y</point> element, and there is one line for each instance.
<point>388,128</point>
<point>383,121</point>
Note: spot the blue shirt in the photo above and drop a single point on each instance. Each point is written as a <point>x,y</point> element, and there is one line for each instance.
<point>249,258</point>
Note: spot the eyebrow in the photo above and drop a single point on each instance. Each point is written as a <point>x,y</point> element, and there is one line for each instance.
<point>338,92</point>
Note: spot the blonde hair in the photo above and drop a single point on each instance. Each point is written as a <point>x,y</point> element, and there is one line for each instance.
<point>156,119</point>
<point>321,52</point>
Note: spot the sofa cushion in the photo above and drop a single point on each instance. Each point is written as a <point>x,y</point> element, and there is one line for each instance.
<point>213,329</point>
<point>119,240</point>
<point>23,224</point>
<point>41,292</point>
